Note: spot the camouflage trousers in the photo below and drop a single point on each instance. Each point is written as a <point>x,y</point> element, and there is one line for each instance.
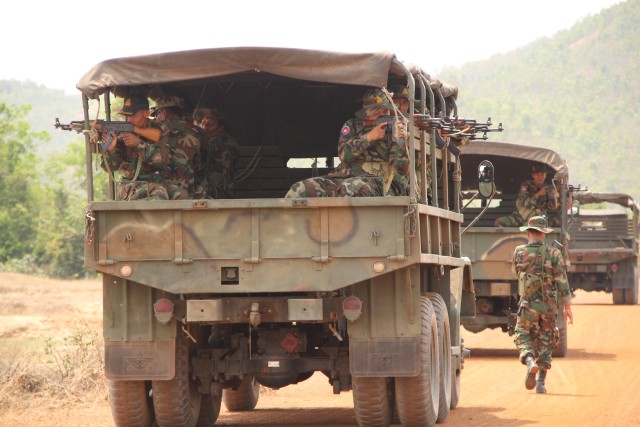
<point>176,191</point>
<point>358,186</point>
<point>142,190</point>
<point>323,186</point>
<point>536,333</point>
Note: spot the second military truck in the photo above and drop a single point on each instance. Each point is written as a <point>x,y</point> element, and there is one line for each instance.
<point>491,247</point>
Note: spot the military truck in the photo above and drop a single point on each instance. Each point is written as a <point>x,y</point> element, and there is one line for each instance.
<point>491,248</point>
<point>604,246</point>
<point>206,300</point>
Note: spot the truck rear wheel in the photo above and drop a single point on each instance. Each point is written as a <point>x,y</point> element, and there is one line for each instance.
<point>209,410</point>
<point>130,403</point>
<point>177,401</point>
<point>245,398</point>
<point>444,354</point>
<point>371,401</point>
<point>631,296</point>
<point>561,349</point>
<point>418,397</point>
<point>618,296</point>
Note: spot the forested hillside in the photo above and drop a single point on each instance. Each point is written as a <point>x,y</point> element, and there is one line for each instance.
<point>576,93</point>
<point>46,104</point>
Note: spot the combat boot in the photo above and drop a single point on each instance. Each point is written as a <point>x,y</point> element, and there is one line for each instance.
<point>540,388</point>
<point>532,370</point>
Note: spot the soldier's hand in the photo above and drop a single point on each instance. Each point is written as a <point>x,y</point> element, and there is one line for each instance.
<point>401,131</point>
<point>541,192</point>
<point>130,139</point>
<point>568,314</point>
<point>376,133</point>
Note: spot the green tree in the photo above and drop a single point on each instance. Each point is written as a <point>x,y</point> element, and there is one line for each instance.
<point>19,192</point>
<point>61,230</point>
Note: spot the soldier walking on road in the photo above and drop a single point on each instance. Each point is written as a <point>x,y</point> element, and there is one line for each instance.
<point>543,287</point>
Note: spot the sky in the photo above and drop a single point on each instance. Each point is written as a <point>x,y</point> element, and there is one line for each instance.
<point>56,43</point>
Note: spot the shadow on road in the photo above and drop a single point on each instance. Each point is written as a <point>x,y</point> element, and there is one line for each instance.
<point>572,354</point>
<point>482,416</point>
<point>335,417</point>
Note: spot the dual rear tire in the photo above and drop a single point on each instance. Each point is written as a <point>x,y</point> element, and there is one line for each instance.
<point>424,399</point>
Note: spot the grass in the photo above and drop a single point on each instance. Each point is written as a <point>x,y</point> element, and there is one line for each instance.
<point>57,373</point>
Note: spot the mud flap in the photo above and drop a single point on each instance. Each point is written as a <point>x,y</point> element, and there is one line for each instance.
<point>139,360</point>
<point>384,358</point>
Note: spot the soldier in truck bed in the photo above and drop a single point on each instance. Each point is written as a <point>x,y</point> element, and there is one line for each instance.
<point>142,163</point>
<point>536,197</point>
<point>371,163</point>
<point>184,176</point>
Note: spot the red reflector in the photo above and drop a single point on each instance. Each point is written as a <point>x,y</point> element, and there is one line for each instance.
<point>163,305</point>
<point>352,308</point>
<point>614,268</point>
<point>351,303</point>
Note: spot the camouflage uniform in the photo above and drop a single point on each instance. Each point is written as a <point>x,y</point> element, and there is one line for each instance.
<point>402,91</point>
<point>220,154</point>
<point>154,158</point>
<point>222,158</point>
<point>536,332</point>
<point>185,140</point>
<point>374,168</point>
<point>528,205</point>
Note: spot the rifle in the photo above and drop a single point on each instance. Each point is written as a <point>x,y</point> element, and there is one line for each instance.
<point>112,128</point>
<point>468,128</point>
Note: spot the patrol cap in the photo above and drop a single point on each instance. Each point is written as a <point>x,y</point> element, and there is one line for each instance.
<point>399,91</point>
<point>166,102</point>
<point>134,104</point>
<point>373,101</point>
<point>539,168</point>
<point>537,223</point>
<point>204,111</point>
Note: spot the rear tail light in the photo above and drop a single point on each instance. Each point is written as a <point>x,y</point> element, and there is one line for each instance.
<point>352,308</point>
<point>163,310</point>
<point>614,268</point>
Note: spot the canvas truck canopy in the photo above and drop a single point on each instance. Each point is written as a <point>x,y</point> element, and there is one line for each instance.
<point>512,163</point>
<point>621,199</point>
<point>363,69</point>
<point>294,99</point>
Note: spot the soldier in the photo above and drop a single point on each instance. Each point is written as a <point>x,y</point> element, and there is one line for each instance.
<point>535,198</point>
<point>220,154</point>
<point>401,101</point>
<point>183,178</point>
<point>141,161</point>
<point>543,287</point>
<point>372,161</point>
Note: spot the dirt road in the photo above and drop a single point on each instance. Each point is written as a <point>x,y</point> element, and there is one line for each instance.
<point>595,385</point>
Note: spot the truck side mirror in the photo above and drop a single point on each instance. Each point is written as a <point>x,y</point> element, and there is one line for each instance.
<point>486,186</point>
<point>575,211</point>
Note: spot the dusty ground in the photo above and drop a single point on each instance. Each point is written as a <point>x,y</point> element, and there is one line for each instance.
<point>595,385</point>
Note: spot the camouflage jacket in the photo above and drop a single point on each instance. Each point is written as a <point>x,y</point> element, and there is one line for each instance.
<point>528,205</point>
<point>555,286</point>
<point>185,140</point>
<point>221,155</point>
<point>354,151</point>
<point>154,158</point>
